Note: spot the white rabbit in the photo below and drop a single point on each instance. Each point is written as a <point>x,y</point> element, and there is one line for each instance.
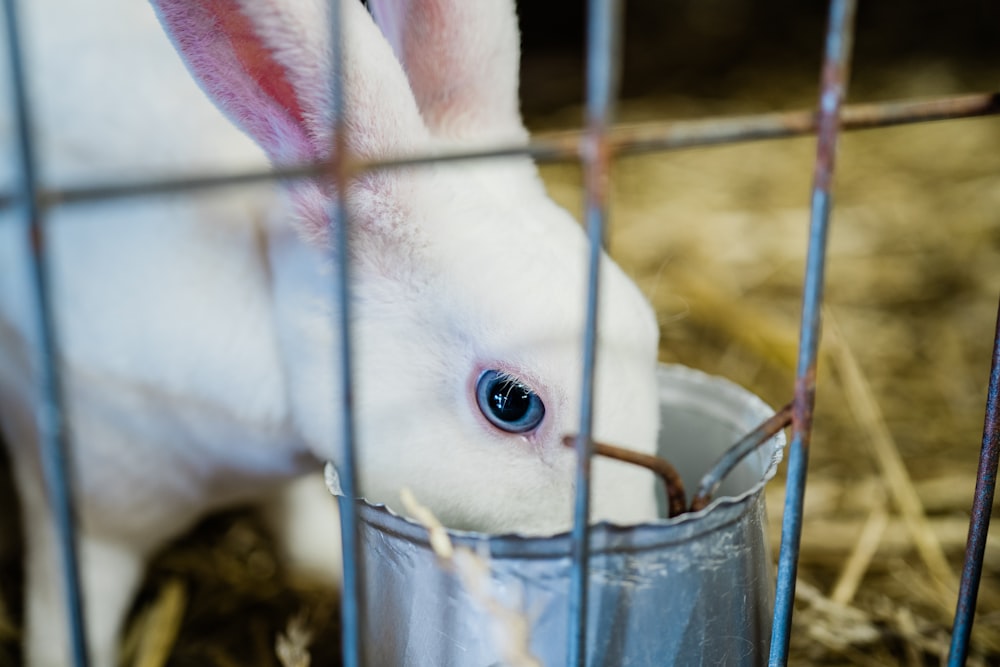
<point>197,340</point>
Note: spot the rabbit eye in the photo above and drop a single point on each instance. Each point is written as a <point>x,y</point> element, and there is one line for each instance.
<point>507,403</point>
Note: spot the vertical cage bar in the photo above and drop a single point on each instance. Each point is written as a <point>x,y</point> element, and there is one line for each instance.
<point>835,75</point>
<point>979,523</point>
<point>603,67</point>
<point>351,600</point>
<point>49,412</point>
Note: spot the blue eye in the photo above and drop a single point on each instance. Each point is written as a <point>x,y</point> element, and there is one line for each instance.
<point>508,404</point>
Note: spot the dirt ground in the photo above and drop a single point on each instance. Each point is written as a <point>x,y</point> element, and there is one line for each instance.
<point>716,238</point>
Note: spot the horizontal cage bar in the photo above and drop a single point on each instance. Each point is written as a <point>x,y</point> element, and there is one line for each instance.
<point>566,146</point>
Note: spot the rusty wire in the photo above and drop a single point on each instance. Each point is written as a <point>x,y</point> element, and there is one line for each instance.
<point>633,139</point>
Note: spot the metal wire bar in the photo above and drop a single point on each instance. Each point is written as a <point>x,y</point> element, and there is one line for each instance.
<point>644,138</point>
<point>710,482</point>
<point>835,75</point>
<point>603,65</point>
<point>49,411</point>
<point>351,599</point>
<point>562,146</point>
<point>979,523</point>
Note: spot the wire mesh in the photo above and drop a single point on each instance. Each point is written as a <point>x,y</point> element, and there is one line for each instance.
<point>595,146</point>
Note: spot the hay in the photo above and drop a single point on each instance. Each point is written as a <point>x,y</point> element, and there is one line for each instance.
<point>509,627</point>
<point>243,607</point>
<point>292,647</point>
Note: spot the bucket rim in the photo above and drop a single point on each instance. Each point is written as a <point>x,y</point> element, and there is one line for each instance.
<point>607,536</point>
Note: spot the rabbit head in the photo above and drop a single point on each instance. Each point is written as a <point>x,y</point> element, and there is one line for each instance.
<point>468,282</point>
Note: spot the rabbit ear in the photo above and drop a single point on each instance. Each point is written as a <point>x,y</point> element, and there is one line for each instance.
<point>462,60</point>
<point>267,63</point>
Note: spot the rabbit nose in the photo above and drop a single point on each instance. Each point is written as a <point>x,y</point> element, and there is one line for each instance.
<point>663,469</point>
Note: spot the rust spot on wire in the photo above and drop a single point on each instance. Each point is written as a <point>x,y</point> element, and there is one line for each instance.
<point>676,497</point>
<point>37,240</point>
<point>597,151</point>
<point>803,404</point>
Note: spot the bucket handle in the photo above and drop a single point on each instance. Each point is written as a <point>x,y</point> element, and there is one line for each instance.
<point>710,482</point>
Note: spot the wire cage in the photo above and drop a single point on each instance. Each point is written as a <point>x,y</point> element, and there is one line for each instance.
<point>596,147</point>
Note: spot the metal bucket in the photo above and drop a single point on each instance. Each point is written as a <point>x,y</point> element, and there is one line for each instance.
<point>693,590</point>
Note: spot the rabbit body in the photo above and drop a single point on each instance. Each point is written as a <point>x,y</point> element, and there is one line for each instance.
<point>196,338</point>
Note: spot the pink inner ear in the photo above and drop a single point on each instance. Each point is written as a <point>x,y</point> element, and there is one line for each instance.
<point>254,57</point>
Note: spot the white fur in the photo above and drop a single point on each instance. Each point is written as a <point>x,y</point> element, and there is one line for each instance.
<point>197,344</point>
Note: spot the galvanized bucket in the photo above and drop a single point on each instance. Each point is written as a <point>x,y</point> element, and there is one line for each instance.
<point>693,590</point>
